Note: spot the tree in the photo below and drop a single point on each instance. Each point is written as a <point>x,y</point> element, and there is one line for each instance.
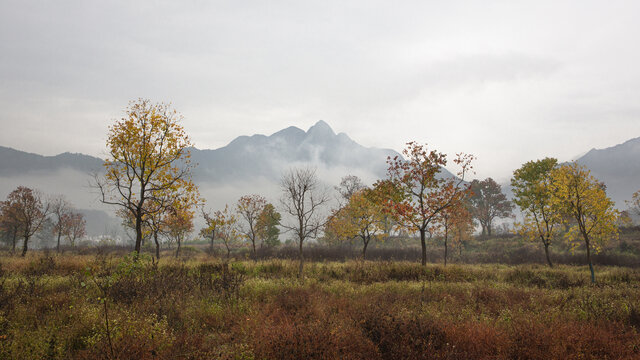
<point>349,185</point>
<point>30,213</point>
<point>221,225</point>
<point>302,199</point>
<point>76,227</point>
<point>60,209</point>
<point>488,202</point>
<point>213,221</point>
<point>424,194</point>
<point>533,193</point>
<point>9,222</point>
<point>267,226</point>
<point>462,230</point>
<point>179,224</point>
<point>578,194</point>
<point>164,205</point>
<point>455,219</point>
<point>148,157</point>
<point>360,218</point>
<point>228,229</point>
<point>634,204</point>
<point>250,207</point>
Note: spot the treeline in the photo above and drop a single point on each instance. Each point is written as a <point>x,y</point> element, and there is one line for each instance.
<point>27,212</point>
<point>148,179</point>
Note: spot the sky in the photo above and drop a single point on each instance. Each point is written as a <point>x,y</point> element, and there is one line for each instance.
<point>508,81</point>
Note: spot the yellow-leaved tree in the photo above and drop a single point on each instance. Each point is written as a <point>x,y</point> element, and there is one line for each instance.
<point>578,194</point>
<point>533,193</point>
<point>360,218</point>
<point>148,158</point>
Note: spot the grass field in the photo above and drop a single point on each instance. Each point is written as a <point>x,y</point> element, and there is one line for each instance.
<point>54,307</point>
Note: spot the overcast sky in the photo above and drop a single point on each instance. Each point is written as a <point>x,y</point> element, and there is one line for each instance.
<point>508,81</point>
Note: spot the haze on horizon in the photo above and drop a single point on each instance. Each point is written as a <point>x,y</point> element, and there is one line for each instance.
<point>507,82</point>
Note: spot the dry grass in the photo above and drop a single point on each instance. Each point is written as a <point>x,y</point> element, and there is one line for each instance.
<point>53,307</point>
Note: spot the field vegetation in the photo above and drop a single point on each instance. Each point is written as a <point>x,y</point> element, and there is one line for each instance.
<point>111,306</point>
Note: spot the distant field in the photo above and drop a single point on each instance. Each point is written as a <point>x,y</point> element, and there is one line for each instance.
<point>54,307</point>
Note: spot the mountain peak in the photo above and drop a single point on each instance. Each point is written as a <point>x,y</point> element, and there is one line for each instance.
<point>321,128</point>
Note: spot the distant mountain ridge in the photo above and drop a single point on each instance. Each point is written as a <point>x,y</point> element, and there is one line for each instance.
<point>15,162</point>
<point>260,157</point>
<point>267,156</point>
<point>618,167</point>
<point>256,156</point>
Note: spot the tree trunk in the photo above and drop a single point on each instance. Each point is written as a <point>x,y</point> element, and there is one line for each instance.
<point>489,230</point>
<point>178,249</point>
<point>15,240</point>
<point>24,246</point>
<point>364,248</point>
<point>423,242</point>
<point>593,275</point>
<point>301,260</point>
<point>138,233</point>
<point>546,252</point>
<point>255,254</point>
<point>58,246</point>
<point>155,238</point>
<point>213,236</point>
<point>446,249</point>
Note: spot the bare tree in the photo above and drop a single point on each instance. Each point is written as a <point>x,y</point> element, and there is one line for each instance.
<point>60,209</point>
<point>303,199</point>
<point>349,185</point>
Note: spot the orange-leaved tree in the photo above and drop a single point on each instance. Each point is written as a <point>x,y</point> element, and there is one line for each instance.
<point>424,193</point>
<point>148,157</point>
<point>456,220</point>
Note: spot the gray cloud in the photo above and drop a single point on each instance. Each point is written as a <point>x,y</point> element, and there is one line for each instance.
<point>507,81</point>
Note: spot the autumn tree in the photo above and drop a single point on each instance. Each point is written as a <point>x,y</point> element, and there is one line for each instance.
<point>228,229</point>
<point>303,199</point>
<point>267,229</point>
<point>386,193</point>
<point>148,156</point>
<point>424,193</point>
<point>213,221</point>
<point>249,207</point>
<point>164,206</point>
<point>60,209</point>
<point>75,227</point>
<point>533,193</point>
<point>30,212</point>
<point>488,202</point>
<point>634,204</point>
<point>360,218</point>
<point>462,229</point>
<point>577,193</point>
<point>453,223</point>
<point>179,224</point>
<point>9,222</point>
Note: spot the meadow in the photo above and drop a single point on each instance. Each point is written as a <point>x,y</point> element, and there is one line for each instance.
<point>108,306</point>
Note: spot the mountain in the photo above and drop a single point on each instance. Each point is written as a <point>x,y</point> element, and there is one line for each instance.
<point>266,157</point>
<point>618,167</point>
<point>14,162</point>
